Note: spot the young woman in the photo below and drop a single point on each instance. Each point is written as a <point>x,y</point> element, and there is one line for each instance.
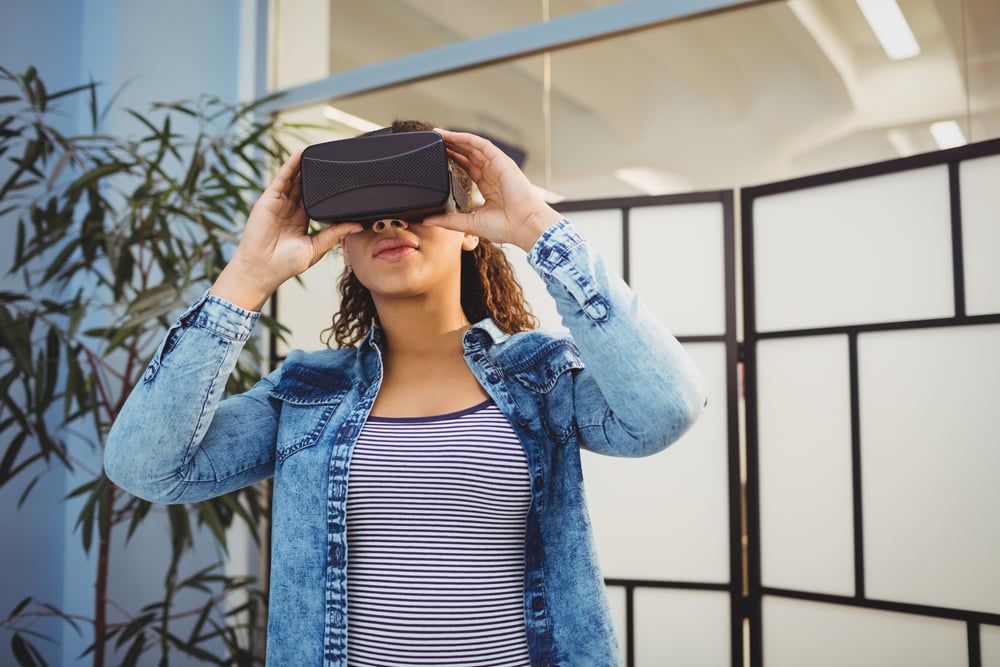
<point>428,500</point>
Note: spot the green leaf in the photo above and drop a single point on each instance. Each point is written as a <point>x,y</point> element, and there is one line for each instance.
<point>138,515</point>
<point>59,263</point>
<point>25,653</point>
<point>49,371</point>
<point>97,173</point>
<point>120,335</point>
<point>135,651</point>
<point>20,607</point>
<point>90,514</point>
<point>15,338</point>
<point>154,298</point>
<point>72,91</point>
<point>193,650</point>
<point>7,468</point>
<point>180,526</point>
<point>76,388</point>
<point>209,514</point>
<point>27,490</point>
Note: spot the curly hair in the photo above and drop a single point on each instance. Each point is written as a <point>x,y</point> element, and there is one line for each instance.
<point>489,287</point>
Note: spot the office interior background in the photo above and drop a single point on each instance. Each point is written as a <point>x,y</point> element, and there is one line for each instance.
<point>813,211</point>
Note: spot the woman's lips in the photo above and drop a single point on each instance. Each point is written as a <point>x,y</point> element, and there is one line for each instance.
<point>393,250</point>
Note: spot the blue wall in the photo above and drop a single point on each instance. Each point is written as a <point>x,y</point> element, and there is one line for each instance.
<point>146,51</point>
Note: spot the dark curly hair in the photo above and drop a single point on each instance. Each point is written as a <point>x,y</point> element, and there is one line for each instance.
<point>489,288</point>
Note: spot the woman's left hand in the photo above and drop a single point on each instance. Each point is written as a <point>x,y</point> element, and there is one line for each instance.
<point>514,212</point>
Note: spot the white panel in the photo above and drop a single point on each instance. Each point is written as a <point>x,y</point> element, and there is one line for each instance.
<point>604,231</point>
<point>666,516</point>
<point>798,633</point>
<point>989,644</point>
<point>307,309</point>
<point>677,265</point>
<point>871,250</point>
<point>930,456</point>
<point>981,234</point>
<point>806,500</point>
<point>617,602</point>
<point>678,627</point>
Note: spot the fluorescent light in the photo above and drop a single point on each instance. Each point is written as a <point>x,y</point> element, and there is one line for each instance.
<point>947,134</point>
<point>354,122</point>
<point>651,181</point>
<point>891,28</point>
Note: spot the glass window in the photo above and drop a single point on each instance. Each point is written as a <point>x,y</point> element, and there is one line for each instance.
<point>737,98</point>
<point>312,39</point>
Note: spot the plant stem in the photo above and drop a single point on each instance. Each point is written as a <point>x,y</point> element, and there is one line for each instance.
<point>101,585</point>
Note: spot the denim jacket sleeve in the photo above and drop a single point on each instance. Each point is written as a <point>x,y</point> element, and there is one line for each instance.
<point>174,440</point>
<point>639,390</point>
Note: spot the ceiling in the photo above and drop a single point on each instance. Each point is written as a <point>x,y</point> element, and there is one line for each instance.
<point>752,95</point>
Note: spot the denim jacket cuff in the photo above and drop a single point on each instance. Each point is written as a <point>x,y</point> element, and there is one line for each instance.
<point>220,317</point>
<point>554,245</point>
<point>562,257</point>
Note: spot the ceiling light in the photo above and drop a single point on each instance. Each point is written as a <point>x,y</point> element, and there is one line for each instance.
<point>891,28</point>
<point>351,121</point>
<point>651,181</point>
<point>947,134</point>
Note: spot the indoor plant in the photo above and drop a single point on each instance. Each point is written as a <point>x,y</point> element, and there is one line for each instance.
<point>112,237</point>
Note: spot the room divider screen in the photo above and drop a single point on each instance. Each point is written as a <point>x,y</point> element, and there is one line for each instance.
<point>846,512</point>
<point>872,315</point>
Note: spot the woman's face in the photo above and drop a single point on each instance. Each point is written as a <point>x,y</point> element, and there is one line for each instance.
<point>396,259</point>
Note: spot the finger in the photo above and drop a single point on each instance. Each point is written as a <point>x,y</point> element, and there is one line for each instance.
<point>287,174</point>
<point>476,149</point>
<point>464,146</point>
<point>460,222</point>
<point>464,163</point>
<point>325,240</point>
<point>295,187</point>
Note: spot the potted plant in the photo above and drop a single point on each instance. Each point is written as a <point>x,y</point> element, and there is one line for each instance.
<point>112,237</point>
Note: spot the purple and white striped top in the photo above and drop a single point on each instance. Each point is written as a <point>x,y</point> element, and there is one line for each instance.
<point>436,510</point>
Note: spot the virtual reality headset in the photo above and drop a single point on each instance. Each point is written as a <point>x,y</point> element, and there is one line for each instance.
<point>403,175</point>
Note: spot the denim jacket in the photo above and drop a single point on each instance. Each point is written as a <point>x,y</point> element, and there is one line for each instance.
<point>620,385</point>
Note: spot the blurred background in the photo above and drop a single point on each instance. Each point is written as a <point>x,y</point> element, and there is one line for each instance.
<point>760,92</point>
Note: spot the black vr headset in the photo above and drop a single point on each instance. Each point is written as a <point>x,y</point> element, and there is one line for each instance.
<point>382,175</point>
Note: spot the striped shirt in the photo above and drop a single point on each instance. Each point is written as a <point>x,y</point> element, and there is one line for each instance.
<point>436,510</point>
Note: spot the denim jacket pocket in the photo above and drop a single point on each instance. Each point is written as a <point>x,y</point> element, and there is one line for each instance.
<point>546,373</point>
<point>541,370</point>
<point>308,400</point>
<point>166,346</point>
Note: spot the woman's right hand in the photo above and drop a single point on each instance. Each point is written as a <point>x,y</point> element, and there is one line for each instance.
<point>276,245</point>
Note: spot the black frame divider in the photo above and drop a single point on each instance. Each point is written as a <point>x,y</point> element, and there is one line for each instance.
<point>952,158</point>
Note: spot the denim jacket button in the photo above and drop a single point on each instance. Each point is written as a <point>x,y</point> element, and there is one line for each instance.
<point>493,378</point>
<point>538,603</point>
<point>537,484</point>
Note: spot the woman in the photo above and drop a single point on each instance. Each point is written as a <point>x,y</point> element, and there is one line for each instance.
<point>428,502</point>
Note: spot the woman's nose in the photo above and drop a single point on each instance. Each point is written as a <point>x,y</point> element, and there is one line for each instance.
<point>382,225</point>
